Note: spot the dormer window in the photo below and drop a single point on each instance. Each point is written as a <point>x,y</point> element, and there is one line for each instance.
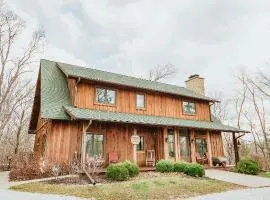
<point>105,96</point>
<point>140,101</point>
<point>189,107</point>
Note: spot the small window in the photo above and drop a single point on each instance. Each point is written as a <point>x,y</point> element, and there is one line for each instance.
<point>140,101</point>
<point>189,107</point>
<point>171,143</point>
<point>106,96</point>
<point>140,146</point>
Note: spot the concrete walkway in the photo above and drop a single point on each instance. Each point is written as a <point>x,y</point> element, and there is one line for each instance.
<point>240,179</point>
<point>246,194</point>
<point>7,194</point>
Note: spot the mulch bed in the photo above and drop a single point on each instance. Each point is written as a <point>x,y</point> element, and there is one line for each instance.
<point>100,178</point>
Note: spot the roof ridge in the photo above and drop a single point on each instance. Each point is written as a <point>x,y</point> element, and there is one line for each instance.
<point>129,76</point>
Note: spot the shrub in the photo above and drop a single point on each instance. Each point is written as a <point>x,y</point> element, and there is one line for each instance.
<point>164,166</point>
<point>117,172</point>
<point>25,167</point>
<point>133,169</point>
<point>248,166</point>
<point>195,170</point>
<point>180,166</point>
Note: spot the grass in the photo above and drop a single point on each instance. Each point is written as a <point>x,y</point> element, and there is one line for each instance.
<point>151,188</point>
<point>265,174</point>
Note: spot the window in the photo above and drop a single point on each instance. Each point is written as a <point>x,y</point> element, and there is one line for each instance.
<point>189,107</point>
<point>140,146</point>
<point>94,146</point>
<point>171,143</point>
<point>140,101</point>
<point>104,95</point>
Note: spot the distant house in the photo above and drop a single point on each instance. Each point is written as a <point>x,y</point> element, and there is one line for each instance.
<point>95,113</point>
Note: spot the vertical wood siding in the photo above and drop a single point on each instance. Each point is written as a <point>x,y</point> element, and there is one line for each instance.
<point>158,104</point>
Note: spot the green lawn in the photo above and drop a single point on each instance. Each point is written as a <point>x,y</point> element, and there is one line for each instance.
<point>175,186</point>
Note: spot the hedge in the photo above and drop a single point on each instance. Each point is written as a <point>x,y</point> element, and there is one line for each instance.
<point>248,166</point>
<point>164,166</point>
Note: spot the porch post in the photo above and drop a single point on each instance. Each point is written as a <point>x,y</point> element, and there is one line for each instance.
<point>236,153</point>
<point>176,147</point>
<point>165,143</point>
<point>192,146</point>
<point>209,149</point>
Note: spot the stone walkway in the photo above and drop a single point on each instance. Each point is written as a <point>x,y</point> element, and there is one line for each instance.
<point>13,195</point>
<point>240,179</point>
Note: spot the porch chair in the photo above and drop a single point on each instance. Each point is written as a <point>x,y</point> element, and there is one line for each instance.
<point>113,157</point>
<point>150,158</point>
<point>202,160</point>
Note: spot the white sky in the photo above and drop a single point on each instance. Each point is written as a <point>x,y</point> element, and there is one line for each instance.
<point>211,38</point>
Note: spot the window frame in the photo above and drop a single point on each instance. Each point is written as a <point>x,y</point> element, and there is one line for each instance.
<point>189,113</point>
<point>107,88</point>
<point>94,133</point>
<point>140,150</point>
<point>144,101</point>
<point>171,132</point>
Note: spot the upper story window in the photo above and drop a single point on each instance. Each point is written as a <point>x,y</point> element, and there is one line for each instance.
<point>189,107</point>
<point>140,101</point>
<point>105,96</point>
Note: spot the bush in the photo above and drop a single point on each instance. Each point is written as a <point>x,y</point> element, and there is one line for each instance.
<point>164,166</point>
<point>133,169</point>
<point>248,166</point>
<point>117,172</point>
<point>180,166</point>
<point>195,170</point>
<point>25,167</point>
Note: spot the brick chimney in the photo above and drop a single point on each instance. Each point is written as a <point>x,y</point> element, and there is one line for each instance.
<point>195,83</point>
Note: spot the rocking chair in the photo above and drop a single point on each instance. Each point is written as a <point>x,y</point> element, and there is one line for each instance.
<point>150,158</point>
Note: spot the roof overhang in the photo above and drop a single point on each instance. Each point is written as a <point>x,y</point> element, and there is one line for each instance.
<point>117,117</point>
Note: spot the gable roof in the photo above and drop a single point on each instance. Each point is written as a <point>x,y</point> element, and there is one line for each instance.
<point>52,98</point>
<point>119,79</point>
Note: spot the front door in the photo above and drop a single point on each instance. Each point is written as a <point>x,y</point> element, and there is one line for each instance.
<point>185,145</point>
<point>201,147</point>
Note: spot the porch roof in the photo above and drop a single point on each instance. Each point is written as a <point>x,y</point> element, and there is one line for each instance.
<point>99,115</point>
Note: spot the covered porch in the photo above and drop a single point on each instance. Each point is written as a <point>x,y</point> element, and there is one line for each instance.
<point>169,138</point>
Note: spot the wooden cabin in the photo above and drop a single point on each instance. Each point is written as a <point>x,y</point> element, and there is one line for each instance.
<point>91,113</point>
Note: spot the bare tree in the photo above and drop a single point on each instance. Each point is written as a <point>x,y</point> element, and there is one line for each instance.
<point>161,72</point>
<point>16,89</point>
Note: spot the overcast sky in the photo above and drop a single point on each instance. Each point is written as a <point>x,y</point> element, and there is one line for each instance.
<point>211,38</point>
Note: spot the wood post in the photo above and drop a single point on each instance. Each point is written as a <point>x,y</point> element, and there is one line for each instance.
<point>236,153</point>
<point>209,148</point>
<point>176,147</point>
<point>192,146</point>
<point>135,148</point>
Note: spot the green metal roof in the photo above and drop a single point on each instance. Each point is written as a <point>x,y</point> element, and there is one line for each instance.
<point>108,116</point>
<point>113,78</point>
<point>55,100</point>
<point>54,91</point>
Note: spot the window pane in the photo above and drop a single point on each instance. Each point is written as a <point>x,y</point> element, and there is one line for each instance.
<point>189,107</point>
<point>104,95</point>
<point>94,146</point>
<point>171,143</point>
<point>140,146</point>
<point>140,101</point>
